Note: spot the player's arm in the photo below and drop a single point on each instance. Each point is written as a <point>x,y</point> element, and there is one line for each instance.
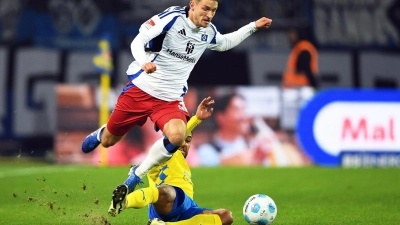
<point>203,112</point>
<point>148,31</point>
<point>224,42</point>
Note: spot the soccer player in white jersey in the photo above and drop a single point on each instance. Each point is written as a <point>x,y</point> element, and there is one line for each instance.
<point>166,49</point>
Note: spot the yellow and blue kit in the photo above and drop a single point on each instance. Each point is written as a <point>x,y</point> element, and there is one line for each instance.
<point>176,173</point>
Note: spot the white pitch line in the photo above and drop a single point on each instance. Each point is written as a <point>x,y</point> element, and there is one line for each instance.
<point>35,170</point>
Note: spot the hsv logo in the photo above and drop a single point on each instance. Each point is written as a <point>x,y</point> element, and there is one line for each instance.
<point>204,37</point>
<point>189,47</point>
<point>339,121</point>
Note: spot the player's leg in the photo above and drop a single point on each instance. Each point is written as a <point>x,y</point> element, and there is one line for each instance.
<point>171,119</point>
<point>166,199</point>
<point>224,214</point>
<point>126,115</point>
<point>184,211</point>
<point>174,130</point>
<point>137,200</point>
<point>93,140</point>
<point>162,198</point>
<point>101,136</point>
<point>161,151</point>
<point>108,139</point>
<point>208,217</point>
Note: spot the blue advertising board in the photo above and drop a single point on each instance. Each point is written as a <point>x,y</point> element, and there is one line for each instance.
<point>337,123</point>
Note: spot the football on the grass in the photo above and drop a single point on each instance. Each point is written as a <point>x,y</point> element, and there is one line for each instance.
<point>260,209</point>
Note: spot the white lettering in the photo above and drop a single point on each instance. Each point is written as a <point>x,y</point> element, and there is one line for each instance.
<point>375,159</point>
<point>354,22</point>
<point>34,94</point>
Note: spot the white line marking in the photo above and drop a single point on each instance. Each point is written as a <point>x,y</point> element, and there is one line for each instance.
<point>35,170</point>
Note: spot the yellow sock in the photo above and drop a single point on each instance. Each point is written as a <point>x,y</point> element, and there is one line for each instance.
<point>142,197</point>
<point>201,219</point>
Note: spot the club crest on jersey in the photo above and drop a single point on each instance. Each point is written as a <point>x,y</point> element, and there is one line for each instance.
<point>204,37</point>
<point>189,47</point>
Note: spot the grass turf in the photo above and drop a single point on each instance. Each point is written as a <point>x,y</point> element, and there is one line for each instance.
<point>35,193</point>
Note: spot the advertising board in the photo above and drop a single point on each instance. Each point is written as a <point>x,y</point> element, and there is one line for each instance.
<point>351,127</point>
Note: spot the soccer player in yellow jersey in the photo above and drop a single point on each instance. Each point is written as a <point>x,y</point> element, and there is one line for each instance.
<point>170,192</point>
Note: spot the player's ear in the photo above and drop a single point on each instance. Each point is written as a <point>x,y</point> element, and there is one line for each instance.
<point>191,4</point>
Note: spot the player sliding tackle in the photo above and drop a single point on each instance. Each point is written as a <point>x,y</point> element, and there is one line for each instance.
<point>166,50</point>
<point>170,191</point>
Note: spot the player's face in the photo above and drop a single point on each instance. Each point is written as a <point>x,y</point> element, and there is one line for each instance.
<point>202,12</point>
<point>186,146</point>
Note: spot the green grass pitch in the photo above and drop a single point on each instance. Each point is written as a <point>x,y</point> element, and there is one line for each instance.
<point>35,193</point>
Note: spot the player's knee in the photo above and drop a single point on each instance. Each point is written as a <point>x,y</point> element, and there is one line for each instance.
<point>166,194</point>
<point>176,139</point>
<point>226,217</point>
<point>175,131</point>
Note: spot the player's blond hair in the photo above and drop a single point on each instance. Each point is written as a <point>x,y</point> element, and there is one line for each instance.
<point>197,1</point>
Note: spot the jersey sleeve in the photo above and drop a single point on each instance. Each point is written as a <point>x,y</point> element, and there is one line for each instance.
<point>192,123</point>
<point>152,28</point>
<point>224,42</point>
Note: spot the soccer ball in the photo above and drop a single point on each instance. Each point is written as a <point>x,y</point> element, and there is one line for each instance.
<point>260,209</point>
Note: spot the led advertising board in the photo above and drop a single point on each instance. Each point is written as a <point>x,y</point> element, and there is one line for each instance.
<point>351,127</point>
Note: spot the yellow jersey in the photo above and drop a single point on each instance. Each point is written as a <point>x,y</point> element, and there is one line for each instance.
<point>174,172</point>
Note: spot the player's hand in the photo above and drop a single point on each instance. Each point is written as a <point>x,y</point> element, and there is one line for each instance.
<point>263,23</point>
<point>149,67</point>
<point>203,111</point>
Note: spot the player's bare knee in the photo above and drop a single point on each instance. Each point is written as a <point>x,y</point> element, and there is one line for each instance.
<point>176,139</point>
<point>166,194</point>
<point>226,216</point>
<point>175,131</point>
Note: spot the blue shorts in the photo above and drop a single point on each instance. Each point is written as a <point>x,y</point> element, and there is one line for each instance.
<point>184,208</point>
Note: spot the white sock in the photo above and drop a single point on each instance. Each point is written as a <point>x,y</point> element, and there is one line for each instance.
<point>157,155</point>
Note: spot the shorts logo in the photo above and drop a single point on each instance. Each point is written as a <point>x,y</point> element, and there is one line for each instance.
<point>204,37</point>
<point>182,106</point>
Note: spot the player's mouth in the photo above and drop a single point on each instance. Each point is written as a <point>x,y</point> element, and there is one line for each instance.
<point>206,21</point>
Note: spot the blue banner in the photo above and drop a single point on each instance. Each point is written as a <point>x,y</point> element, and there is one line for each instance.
<point>75,24</point>
<point>339,120</point>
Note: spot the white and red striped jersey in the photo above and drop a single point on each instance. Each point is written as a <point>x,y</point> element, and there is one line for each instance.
<point>175,44</point>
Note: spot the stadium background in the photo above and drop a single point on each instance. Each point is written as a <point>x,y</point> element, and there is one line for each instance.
<point>49,101</point>
<point>49,88</point>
